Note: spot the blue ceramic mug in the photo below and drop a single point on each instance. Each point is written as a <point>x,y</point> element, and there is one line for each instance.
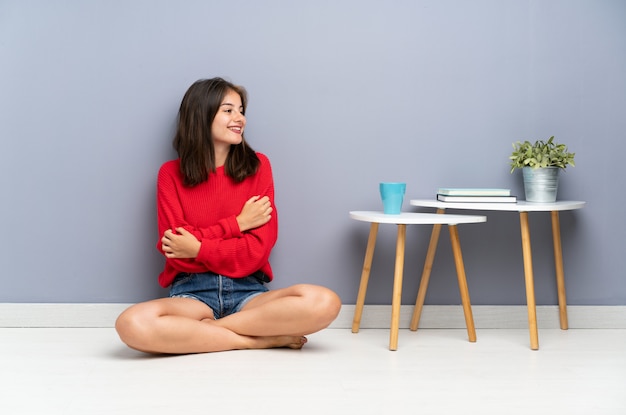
<point>392,194</point>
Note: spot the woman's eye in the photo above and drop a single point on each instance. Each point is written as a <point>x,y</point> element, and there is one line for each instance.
<point>231,110</point>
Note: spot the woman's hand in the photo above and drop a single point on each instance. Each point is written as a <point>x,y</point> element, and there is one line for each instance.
<point>257,211</point>
<point>181,245</point>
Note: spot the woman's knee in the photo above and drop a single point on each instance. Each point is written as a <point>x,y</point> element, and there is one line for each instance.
<point>133,324</point>
<point>324,303</point>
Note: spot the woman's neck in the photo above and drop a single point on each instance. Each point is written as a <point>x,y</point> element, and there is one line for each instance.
<point>220,156</point>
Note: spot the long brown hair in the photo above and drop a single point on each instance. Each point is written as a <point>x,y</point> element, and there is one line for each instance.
<point>193,141</point>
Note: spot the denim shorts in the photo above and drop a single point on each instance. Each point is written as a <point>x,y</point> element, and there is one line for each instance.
<point>224,295</point>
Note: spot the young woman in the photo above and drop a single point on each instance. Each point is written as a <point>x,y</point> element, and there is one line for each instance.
<point>218,224</point>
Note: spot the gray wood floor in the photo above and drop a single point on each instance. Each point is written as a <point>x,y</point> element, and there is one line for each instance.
<point>435,371</point>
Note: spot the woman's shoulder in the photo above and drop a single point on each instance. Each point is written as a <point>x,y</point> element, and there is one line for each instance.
<point>171,167</point>
<point>264,166</point>
<point>265,161</point>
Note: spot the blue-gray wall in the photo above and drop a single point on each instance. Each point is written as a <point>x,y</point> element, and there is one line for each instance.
<point>343,95</point>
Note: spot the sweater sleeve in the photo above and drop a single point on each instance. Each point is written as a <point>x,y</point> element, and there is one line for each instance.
<point>170,215</point>
<point>249,252</point>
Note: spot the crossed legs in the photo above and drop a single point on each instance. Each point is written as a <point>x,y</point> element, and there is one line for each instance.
<point>277,318</point>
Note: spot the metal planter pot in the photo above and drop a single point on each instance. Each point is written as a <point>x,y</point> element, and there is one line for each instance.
<point>541,184</point>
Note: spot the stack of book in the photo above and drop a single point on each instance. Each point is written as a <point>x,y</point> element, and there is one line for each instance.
<point>475,195</point>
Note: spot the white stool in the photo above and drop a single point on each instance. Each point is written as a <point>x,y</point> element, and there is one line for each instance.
<point>403,219</point>
<point>523,208</point>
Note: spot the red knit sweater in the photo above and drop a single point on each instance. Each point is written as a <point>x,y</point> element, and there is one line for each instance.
<point>209,211</point>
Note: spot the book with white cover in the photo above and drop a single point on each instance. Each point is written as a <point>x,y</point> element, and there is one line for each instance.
<point>477,199</point>
<point>473,191</point>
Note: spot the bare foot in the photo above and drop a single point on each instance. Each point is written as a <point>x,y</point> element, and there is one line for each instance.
<point>269,342</point>
<point>265,342</point>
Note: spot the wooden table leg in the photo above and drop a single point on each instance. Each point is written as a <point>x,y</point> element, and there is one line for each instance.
<point>365,276</point>
<point>558,262</point>
<point>397,288</point>
<point>460,271</point>
<point>428,266</point>
<point>530,284</point>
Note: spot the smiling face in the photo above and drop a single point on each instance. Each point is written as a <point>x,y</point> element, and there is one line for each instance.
<point>228,124</point>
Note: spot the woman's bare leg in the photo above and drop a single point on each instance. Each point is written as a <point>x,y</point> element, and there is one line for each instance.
<point>295,311</point>
<point>185,325</point>
<point>278,318</point>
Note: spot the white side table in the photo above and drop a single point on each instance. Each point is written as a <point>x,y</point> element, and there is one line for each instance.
<point>523,208</point>
<point>401,220</point>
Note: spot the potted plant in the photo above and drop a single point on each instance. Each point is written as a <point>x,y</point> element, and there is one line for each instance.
<point>540,162</point>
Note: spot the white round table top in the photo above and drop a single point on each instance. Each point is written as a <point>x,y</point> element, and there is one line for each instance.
<point>415,218</point>
<point>520,206</point>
